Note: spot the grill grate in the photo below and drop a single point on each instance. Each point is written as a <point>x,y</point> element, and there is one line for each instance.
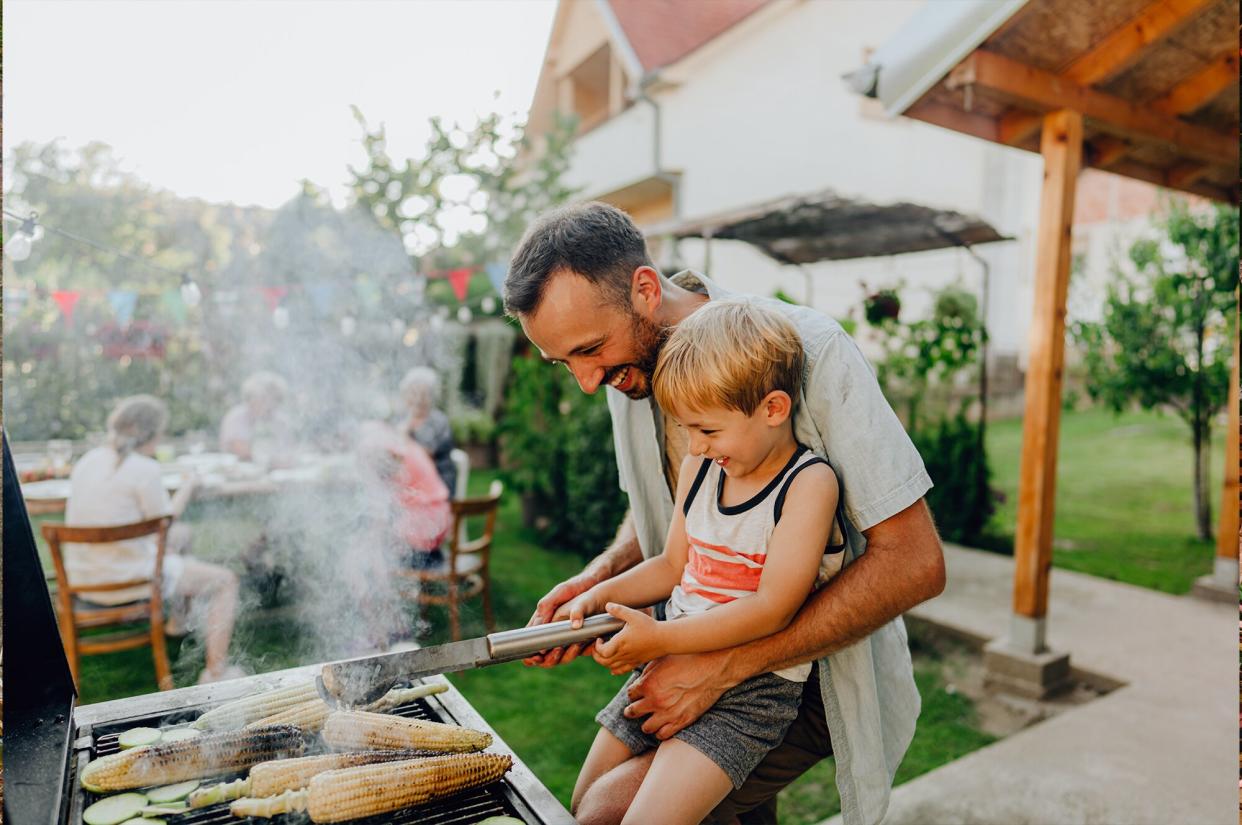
<point>460,809</point>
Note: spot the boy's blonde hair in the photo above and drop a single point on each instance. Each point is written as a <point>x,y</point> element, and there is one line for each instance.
<point>728,354</point>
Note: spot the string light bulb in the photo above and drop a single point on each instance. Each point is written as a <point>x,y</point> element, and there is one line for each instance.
<point>18,247</point>
<point>191,295</point>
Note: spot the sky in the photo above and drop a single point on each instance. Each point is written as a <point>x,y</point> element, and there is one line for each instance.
<point>239,100</point>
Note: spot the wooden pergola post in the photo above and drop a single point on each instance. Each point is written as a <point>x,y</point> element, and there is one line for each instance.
<point>1227,533</point>
<point>1061,147</point>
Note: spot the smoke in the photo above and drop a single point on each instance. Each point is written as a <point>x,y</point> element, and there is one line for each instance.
<point>348,321</point>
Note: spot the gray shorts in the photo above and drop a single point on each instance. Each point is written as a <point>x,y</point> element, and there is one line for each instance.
<point>736,733</point>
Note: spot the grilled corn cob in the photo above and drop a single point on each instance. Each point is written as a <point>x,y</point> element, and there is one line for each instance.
<point>310,715</point>
<point>339,795</point>
<point>235,714</point>
<point>360,729</point>
<point>202,756</point>
<point>271,778</point>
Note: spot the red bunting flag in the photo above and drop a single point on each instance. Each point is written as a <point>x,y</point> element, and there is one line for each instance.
<point>274,295</point>
<point>460,279</point>
<point>66,299</point>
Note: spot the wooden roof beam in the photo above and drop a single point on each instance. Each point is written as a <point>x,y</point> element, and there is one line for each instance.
<point>1199,89</point>
<point>1106,150</point>
<point>1027,86</point>
<point>1111,56</point>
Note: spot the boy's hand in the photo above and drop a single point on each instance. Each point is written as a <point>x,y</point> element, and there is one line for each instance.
<point>639,642</point>
<point>580,607</point>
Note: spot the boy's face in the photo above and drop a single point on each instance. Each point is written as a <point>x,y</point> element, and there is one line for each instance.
<point>599,342</point>
<point>737,442</point>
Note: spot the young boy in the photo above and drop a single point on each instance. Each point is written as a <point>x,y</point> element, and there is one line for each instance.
<point>753,533</point>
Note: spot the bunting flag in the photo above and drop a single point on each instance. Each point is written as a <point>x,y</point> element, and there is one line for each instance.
<point>274,295</point>
<point>66,299</point>
<point>496,273</point>
<point>460,279</point>
<point>322,296</point>
<point>123,302</point>
<point>172,302</point>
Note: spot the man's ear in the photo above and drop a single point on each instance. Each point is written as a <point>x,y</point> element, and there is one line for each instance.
<point>777,407</point>
<point>645,291</point>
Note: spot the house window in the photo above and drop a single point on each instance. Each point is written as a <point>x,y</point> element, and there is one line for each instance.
<point>592,90</point>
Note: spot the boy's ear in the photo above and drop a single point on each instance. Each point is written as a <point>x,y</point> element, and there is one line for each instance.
<point>777,407</point>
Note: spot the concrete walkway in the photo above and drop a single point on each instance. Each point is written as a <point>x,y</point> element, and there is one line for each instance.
<point>1158,750</point>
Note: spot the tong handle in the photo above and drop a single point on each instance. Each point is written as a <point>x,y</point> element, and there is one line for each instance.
<point>524,641</point>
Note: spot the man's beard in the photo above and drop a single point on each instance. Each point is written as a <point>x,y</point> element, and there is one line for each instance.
<point>649,338</point>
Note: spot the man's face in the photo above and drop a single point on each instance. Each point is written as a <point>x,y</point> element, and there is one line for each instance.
<point>599,342</point>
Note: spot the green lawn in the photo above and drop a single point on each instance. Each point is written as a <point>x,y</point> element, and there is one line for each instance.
<point>1124,507</point>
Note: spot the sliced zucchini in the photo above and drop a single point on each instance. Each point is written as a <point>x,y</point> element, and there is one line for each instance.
<point>171,793</point>
<point>145,820</point>
<point>499,820</point>
<point>137,737</point>
<point>170,809</point>
<point>177,734</point>
<point>113,810</point>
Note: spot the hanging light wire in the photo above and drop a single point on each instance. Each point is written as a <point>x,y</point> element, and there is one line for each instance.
<point>190,292</point>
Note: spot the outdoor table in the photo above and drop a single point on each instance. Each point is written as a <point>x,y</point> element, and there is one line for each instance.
<point>221,476</point>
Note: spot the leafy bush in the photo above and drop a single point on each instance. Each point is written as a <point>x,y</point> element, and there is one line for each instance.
<point>558,449</point>
<point>962,500</point>
<point>472,426</point>
<point>934,352</point>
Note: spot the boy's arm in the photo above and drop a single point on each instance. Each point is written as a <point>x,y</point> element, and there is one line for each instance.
<point>652,580</point>
<point>789,572</point>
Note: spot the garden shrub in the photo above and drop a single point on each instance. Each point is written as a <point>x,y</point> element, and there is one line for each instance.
<point>559,456</point>
<point>961,500</point>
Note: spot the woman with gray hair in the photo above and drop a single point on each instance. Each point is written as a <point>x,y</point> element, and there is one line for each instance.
<point>426,425</point>
<point>256,422</point>
<point>121,483</point>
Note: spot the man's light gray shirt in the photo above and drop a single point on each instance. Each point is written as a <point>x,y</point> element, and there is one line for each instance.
<point>870,698</point>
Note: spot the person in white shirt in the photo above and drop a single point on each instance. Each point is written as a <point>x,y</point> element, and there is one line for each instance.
<point>121,483</point>
<point>254,430</point>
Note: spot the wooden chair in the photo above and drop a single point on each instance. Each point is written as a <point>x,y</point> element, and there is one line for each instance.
<point>466,571</point>
<point>75,614</point>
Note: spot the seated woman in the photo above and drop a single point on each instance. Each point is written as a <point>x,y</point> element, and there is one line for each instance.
<point>120,483</point>
<point>418,512</point>
<point>254,430</point>
<point>426,425</point>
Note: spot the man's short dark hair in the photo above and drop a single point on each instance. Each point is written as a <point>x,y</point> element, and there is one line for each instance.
<point>597,241</point>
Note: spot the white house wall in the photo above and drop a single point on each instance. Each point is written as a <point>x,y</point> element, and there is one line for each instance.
<point>761,112</point>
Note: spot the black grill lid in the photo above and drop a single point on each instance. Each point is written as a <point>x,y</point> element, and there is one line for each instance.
<point>39,693</point>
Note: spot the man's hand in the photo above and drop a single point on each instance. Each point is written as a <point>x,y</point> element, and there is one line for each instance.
<point>639,642</point>
<point>555,605</point>
<point>677,690</point>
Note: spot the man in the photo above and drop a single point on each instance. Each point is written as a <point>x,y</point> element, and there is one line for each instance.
<point>586,293</point>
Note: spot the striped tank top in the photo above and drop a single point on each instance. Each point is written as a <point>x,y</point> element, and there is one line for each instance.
<point>728,545</point>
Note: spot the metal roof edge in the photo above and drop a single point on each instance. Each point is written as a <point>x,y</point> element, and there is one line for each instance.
<point>932,42</point>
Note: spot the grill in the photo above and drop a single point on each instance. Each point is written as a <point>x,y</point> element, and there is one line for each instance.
<point>49,742</point>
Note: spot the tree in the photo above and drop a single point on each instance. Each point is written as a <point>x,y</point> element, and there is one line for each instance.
<point>467,201</point>
<point>1164,341</point>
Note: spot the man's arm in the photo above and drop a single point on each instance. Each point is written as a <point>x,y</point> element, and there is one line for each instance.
<point>621,555</point>
<point>903,566</point>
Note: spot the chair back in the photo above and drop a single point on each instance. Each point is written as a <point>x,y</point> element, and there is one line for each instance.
<point>459,541</point>
<point>461,461</point>
<point>57,534</point>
